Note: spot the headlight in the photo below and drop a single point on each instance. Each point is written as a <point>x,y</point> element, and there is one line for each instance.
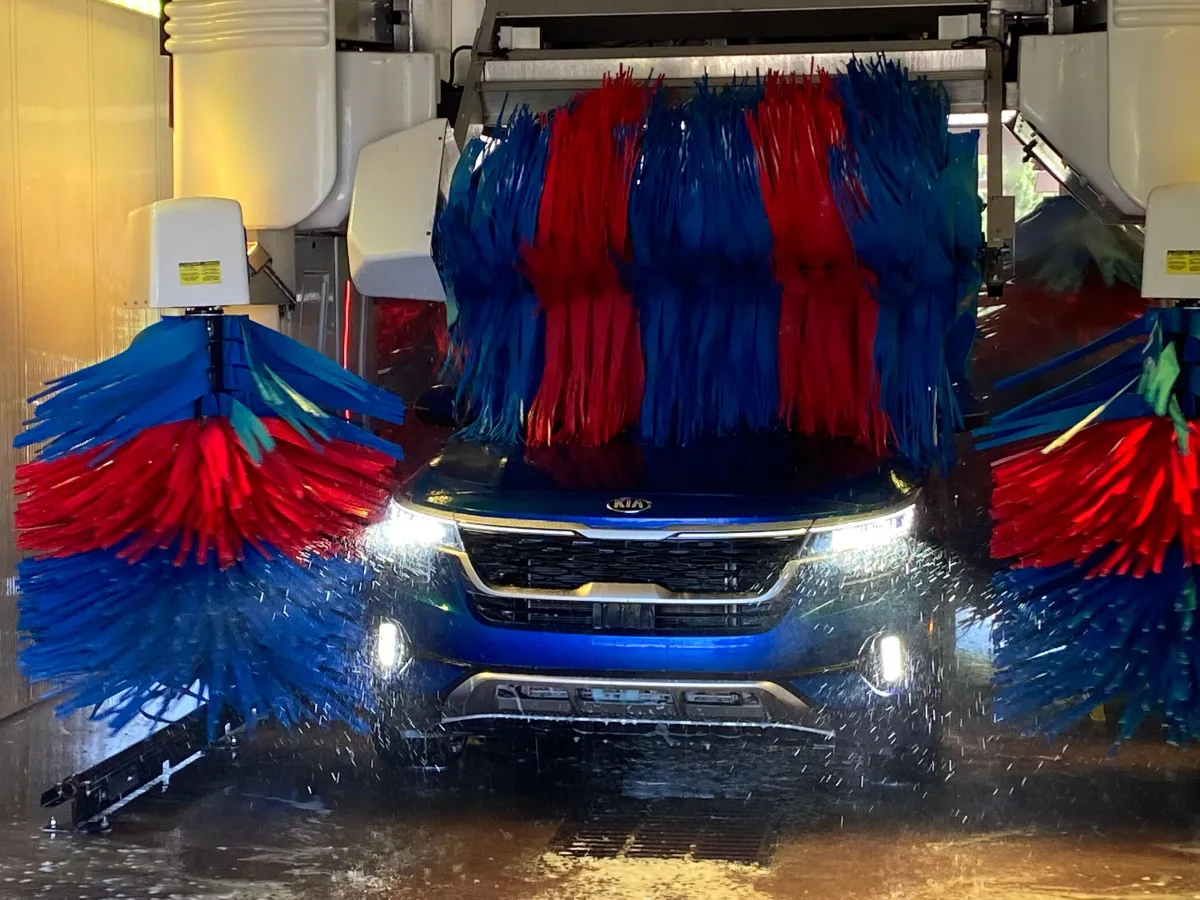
<point>877,532</point>
<point>405,529</point>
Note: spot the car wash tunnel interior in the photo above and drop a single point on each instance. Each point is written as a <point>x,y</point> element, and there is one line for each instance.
<point>570,449</point>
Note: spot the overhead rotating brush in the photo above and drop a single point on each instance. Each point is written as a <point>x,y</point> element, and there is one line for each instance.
<point>187,504</point>
<point>666,234</point>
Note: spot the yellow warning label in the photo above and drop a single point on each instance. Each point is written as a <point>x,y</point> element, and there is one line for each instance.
<point>194,273</point>
<point>1183,262</point>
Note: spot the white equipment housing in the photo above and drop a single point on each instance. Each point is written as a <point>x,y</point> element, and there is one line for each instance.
<point>1064,96</point>
<point>1153,71</point>
<point>187,253</point>
<point>378,94</point>
<point>392,215</point>
<point>255,104</point>
<point>1171,267</point>
<point>1116,105</point>
<point>270,114</point>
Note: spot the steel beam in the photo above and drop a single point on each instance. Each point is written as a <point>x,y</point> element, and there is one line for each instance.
<point>935,59</point>
<point>559,9</point>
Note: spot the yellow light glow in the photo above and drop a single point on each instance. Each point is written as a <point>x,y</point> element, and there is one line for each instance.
<point>149,7</point>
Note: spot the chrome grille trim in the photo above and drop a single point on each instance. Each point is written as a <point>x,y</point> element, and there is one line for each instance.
<point>645,593</point>
<point>705,532</point>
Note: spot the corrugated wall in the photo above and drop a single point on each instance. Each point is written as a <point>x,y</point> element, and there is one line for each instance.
<point>84,139</point>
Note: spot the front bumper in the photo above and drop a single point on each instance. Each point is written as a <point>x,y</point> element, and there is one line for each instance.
<point>488,703</point>
<point>628,703</point>
<point>807,674</point>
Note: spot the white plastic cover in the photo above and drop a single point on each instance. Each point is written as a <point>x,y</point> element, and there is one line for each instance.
<point>1171,264</point>
<point>1064,96</point>
<point>390,234</point>
<point>255,104</point>
<point>378,94</point>
<point>187,253</point>
<point>1153,72</point>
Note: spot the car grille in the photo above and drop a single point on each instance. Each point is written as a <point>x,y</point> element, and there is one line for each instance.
<point>581,616</point>
<point>568,562</point>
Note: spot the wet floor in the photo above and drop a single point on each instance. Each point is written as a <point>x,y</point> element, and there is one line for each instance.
<point>314,816</point>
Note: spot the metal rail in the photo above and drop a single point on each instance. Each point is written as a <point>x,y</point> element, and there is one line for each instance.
<point>547,79</point>
<point>938,59</point>
<point>499,78</point>
<point>1037,147</point>
<point>558,9</point>
<point>681,41</point>
<point>99,792</point>
<point>1001,209</point>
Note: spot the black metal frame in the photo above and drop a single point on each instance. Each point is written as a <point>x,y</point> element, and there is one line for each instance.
<point>96,794</point>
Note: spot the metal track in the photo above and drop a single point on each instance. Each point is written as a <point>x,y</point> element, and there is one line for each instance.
<point>696,829</point>
<point>543,9</point>
<point>98,793</point>
<point>543,78</point>
<point>1037,147</point>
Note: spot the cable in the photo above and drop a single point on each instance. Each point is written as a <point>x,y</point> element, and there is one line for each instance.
<point>454,55</point>
<point>981,40</point>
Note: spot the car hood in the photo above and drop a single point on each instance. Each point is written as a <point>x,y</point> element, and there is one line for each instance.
<point>725,481</point>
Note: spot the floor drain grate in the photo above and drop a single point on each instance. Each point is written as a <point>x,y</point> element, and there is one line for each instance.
<point>686,829</point>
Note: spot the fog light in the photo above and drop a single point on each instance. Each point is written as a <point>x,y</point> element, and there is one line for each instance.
<point>891,658</point>
<point>391,646</point>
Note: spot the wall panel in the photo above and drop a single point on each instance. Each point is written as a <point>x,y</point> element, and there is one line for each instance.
<point>83,127</point>
<point>13,691</point>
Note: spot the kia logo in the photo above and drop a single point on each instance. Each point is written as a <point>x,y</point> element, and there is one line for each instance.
<point>629,505</point>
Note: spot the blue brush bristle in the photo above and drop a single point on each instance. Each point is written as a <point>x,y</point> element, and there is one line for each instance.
<point>655,218</point>
<point>911,205</point>
<point>266,637</point>
<point>1112,382</point>
<point>490,216</point>
<point>167,375</point>
<point>1066,644</point>
<point>960,187</point>
<point>274,375</point>
<point>159,378</point>
<point>1061,240</point>
<point>701,271</point>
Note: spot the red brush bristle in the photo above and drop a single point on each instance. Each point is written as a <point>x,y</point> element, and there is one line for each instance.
<point>594,373</point>
<point>1035,324</point>
<point>828,385</point>
<point>411,328</point>
<point>617,466</point>
<point>191,485</point>
<point>1120,485</point>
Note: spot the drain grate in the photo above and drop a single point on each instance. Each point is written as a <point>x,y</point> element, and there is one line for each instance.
<point>677,829</point>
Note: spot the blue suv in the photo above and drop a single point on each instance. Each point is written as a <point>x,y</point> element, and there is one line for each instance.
<point>769,586</point>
